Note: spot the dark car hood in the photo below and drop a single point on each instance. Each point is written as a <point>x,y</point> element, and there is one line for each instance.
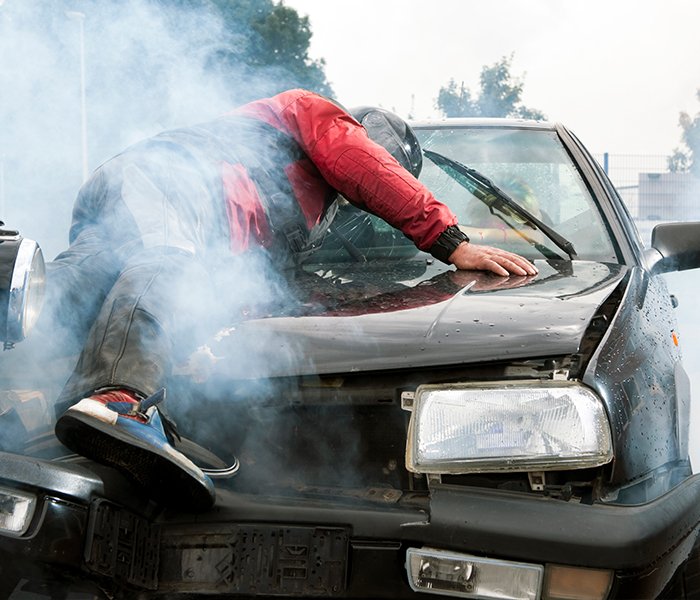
<point>459,317</point>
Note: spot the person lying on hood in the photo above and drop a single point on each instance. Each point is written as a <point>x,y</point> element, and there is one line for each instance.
<point>266,175</point>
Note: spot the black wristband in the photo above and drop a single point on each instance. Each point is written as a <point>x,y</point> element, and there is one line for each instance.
<point>447,243</point>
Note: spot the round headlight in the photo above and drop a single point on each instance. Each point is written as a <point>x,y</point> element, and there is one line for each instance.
<point>22,283</point>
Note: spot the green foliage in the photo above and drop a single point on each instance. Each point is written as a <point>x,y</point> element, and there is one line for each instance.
<point>262,46</point>
<point>499,95</point>
<point>691,138</point>
<point>456,102</point>
<point>269,42</point>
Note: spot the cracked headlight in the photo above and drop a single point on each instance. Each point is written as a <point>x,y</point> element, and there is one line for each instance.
<point>514,426</point>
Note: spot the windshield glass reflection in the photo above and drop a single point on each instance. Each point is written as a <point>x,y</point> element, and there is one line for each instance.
<point>534,169</point>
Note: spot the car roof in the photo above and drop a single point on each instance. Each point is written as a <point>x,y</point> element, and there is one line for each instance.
<point>483,122</point>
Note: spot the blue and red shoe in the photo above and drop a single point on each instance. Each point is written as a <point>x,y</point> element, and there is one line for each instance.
<point>117,429</point>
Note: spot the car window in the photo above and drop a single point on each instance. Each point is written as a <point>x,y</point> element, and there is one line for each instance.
<point>534,169</point>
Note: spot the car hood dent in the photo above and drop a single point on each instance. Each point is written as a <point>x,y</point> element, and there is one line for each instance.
<point>485,319</point>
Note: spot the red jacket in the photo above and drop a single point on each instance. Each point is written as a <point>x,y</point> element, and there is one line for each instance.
<point>336,155</point>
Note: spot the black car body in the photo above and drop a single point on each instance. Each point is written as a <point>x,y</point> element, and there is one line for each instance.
<point>404,428</point>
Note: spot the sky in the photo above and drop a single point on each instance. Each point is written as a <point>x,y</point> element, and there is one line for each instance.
<point>617,72</point>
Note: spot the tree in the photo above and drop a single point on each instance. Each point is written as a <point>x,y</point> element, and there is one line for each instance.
<point>454,102</point>
<point>688,160</point>
<point>268,44</point>
<point>283,38</point>
<point>679,161</point>
<point>499,95</point>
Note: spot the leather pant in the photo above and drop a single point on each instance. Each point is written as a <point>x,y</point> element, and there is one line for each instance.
<point>135,289</point>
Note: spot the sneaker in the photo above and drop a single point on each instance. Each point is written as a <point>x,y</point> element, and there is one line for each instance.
<point>116,429</point>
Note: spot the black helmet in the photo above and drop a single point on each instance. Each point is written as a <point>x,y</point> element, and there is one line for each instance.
<point>393,133</point>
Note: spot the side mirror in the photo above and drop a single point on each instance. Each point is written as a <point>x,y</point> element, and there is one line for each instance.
<point>22,282</point>
<point>674,247</point>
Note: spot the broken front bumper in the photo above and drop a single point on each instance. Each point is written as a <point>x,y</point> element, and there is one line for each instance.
<point>323,546</point>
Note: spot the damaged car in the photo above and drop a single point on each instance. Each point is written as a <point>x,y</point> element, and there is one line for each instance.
<point>401,428</point>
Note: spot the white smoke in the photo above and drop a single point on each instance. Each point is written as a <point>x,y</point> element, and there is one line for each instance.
<point>147,68</point>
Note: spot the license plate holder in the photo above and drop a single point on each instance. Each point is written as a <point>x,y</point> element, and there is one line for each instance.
<point>260,559</point>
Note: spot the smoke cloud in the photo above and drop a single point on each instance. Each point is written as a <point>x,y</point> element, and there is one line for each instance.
<point>147,68</point>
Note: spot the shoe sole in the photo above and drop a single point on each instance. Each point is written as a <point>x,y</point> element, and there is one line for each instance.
<point>163,479</point>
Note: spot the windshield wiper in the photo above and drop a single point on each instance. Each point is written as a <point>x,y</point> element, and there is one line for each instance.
<point>495,198</point>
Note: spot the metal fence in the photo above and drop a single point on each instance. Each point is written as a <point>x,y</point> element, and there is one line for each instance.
<point>651,192</point>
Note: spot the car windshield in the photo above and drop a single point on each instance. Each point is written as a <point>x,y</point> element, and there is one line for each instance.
<point>363,257</point>
<point>533,168</point>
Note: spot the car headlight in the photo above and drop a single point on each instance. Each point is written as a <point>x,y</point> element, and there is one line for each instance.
<point>514,426</point>
<point>22,282</point>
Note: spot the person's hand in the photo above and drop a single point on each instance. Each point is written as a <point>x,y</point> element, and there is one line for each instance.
<point>469,256</point>
<point>485,281</point>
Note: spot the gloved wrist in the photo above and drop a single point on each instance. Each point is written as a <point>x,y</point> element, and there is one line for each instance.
<point>447,243</point>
